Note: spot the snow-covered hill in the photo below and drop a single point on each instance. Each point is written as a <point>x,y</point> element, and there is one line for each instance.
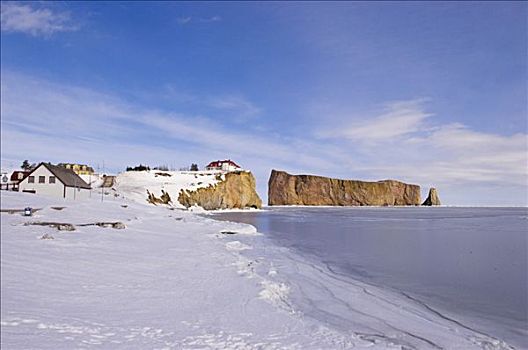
<point>183,189</point>
<point>135,184</point>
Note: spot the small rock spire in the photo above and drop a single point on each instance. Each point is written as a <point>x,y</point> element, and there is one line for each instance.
<point>432,198</point>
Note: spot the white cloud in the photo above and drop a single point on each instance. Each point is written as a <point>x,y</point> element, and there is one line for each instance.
<point>399,119</point>
<point>189,19</point>
<point>211,19</point>
<point>17,17</point>
<point>235,104</point>
<point>183,20</point>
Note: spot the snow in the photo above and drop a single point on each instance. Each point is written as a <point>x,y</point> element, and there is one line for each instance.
<point>94,180</point>
<point>169,280</point>
<point>173,279</point>
<point>134,184</point>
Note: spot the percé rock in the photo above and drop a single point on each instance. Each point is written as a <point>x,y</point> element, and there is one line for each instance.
<point>432,198</point>
<point>236,191</point>
<point>286,189</point>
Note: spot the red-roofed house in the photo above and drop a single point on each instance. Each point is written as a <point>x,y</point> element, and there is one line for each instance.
<point>224,165</point>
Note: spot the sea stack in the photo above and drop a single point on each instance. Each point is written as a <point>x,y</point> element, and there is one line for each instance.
<point>287,189</point>
<point>432,198</point>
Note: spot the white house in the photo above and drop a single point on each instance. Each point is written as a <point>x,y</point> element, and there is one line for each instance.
<point>224,165</point>
<point>55,181</point>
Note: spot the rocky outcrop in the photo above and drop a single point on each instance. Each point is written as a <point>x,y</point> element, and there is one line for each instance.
<point>237,190</point>
<point>432,198</point>
<point>163,199</point>
<point>286,189</point>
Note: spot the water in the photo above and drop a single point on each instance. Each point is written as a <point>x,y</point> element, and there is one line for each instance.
<point>470,262</point>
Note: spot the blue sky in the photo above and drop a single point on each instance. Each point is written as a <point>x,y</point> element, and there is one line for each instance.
<point>428,93</point>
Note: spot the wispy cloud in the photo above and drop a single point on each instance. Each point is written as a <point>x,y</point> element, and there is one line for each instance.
<point>188,19</point>
<point>211,19</point>
<point>233,106</point>
<point>399,118</point>
<point>32,20</point>
<point>39,118</point>
<point>183,20</point>
<point>406,141</point>
<point>236,104</point>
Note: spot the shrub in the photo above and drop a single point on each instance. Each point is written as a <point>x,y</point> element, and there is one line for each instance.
<point>140,167</point>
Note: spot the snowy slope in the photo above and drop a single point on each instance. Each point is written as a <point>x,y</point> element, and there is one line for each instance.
<point>134,184</point>
<point>172,280</point>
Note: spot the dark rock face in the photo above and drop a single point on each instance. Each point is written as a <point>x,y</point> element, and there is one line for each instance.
<point>286,189</point>
<point>432,198</point>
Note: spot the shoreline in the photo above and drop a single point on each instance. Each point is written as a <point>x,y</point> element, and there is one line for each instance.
<point>471,319</point>
<point>186,274</point>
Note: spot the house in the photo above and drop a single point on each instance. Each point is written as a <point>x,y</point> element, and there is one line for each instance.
<point>79,169</point>
<point>223,165</point>
<point>54,180</point>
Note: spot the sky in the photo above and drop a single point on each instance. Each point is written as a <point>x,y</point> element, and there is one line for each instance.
<point>431,93</point>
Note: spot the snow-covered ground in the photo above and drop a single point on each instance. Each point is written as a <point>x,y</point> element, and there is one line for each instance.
<point>172,279</point>
<point>135,184</point>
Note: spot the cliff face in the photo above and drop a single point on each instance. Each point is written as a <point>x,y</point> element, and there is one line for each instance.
<point>432,198</point>
<point>236,191</point>
<point>286,189</point>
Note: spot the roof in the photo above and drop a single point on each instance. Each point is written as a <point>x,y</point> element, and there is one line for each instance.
<point>14,175</point>
<point>219,163</point>
<point>66,176</point>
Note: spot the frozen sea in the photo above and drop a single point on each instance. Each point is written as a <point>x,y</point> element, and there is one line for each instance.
<point>466,265</point>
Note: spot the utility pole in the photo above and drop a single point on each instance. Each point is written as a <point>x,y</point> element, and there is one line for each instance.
<point>90,183</point>
<point>102,186</point>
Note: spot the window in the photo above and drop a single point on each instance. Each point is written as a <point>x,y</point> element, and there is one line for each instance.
<point>31,179</point>
<point>42,179</point>
<point>52,179</point>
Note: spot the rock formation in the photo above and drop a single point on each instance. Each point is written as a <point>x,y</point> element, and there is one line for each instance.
<point>236,191</point>
<point>286,189</point>
<point>432,198</point>
<point>163,199</point>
